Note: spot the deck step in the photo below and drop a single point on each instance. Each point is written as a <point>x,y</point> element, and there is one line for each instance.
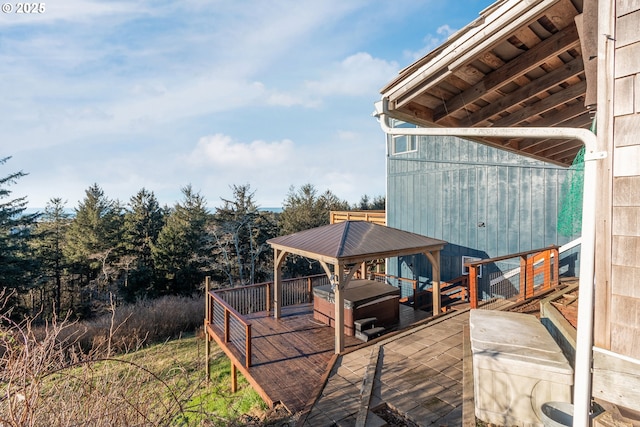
<point>366,323</point>
<point>370,334</point>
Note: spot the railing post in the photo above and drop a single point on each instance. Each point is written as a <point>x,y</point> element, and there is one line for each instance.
<point>523,278</point>
<point>530,277</point>
<point>207,320</point>
<point>268,296</point>
<point>546,269</point>
<point>555,265</point>
<point>473,286</point>
<point>226,325</point>
<point>309,290</point>
<point>415,294</point>
<point>247,331</point>
<point>206,299</point>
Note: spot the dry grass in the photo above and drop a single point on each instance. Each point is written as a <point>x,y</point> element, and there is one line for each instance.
<point>127,328</point>
<point>47,379</point>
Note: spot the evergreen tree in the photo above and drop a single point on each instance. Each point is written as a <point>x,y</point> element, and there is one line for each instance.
<point>302,210</point>
<point>93,239</point>
<point>366,204</point>
<point>142,224</point>
<point>305,209</point>
<point>240,232</point>
<point>49,243</point>
<point>181,251</point>
<point>16,263</point>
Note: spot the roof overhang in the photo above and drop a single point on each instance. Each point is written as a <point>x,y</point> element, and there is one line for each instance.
<point>521,63</point>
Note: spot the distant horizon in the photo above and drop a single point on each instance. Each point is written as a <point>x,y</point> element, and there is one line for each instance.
<point>30,210</point>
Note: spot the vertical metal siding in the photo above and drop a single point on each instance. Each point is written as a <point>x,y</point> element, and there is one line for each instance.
<point>450,185</point>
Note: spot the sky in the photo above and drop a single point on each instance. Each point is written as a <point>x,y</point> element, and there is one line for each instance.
<point>164,94</point>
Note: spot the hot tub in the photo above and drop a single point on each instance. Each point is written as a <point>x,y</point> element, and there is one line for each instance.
<point>362,299</point>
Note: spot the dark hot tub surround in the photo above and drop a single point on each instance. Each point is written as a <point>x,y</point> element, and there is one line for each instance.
<point>362,299</point>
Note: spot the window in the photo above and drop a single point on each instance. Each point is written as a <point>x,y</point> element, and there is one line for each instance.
<point>465,270</point>
<point>403,143</point>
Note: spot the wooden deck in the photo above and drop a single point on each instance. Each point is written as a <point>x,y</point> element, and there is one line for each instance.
<point>290,356</point>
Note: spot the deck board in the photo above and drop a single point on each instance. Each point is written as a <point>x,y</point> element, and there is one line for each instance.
<point>290,355</point>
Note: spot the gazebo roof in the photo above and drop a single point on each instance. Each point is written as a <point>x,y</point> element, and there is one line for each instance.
<point>351,242</point>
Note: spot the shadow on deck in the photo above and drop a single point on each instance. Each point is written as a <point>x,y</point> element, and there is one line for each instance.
<point>290,356</point>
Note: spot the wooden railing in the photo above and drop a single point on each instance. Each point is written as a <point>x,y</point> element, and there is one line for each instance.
<point>259,297</point>
<point>455,290</point>
<point>407,286</point>
<point>537,272</point>
<point>228,326</point>
<point>377,217</point>
<point>226,308</point>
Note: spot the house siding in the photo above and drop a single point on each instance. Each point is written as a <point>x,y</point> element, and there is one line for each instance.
<point>483,201</point>
<point>625,224</point>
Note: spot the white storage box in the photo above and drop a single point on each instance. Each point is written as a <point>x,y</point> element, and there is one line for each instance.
<point>517,366</point>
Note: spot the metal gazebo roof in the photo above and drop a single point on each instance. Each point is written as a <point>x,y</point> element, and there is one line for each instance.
<point>352,242</point>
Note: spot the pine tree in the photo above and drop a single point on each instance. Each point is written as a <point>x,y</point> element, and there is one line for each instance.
<point>94,240</point>
<point>142,224</point>
<point>181,251</point>
<point>305,209</point>
<point>302,210</point>
<point>16,263</point>
<point>48,244</point>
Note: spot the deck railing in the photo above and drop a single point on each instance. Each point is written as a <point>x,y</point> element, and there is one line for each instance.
<point>408,287</point>
<point>259,297</point>
<point>228,326</point>
<point>514,277</point>
<point>453,291</point>
<point>225,308</point>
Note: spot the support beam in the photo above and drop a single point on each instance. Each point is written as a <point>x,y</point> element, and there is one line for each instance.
<point>339,308</point>
<point>434,259</point>
<point>278,257</point>
<point>234,378</point>
<point>341,282</point>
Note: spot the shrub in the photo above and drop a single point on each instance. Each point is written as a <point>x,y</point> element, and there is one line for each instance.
<point>129,327</point>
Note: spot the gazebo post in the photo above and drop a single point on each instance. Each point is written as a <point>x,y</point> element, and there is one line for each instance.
<point>278,259</point>
<point>342,281</point>
<point>434,258</point>
<point>339,309</point>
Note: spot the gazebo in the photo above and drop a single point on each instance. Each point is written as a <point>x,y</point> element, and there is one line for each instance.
<point>344,248</point>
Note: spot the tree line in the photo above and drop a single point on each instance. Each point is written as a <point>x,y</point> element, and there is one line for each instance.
<point>54,262</point>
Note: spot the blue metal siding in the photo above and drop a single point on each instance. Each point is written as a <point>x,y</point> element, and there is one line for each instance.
<point>485,202</point>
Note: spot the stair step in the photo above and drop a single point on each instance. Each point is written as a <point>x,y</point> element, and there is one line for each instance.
<point>363,324</point>
<point>370,334</point>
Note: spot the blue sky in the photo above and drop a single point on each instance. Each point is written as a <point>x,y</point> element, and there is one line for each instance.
<point>162,94</point>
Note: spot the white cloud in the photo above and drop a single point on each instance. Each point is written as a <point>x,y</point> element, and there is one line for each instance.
<point>357,75</point>
<point>221,150</point>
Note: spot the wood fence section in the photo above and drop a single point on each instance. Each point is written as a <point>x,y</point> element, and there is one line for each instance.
<point>377,217</point>
<point>538,272</point>
<point>259,297</point>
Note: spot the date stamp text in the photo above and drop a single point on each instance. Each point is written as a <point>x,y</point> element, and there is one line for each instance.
<point>23,8</point>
